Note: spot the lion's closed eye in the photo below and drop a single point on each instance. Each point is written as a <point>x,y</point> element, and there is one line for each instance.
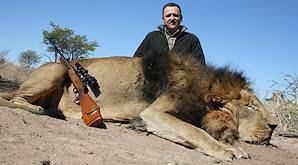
<point>246,111</point>
<point>249,107</point>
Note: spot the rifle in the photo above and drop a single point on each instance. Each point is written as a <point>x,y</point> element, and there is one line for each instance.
<point>80,79</point>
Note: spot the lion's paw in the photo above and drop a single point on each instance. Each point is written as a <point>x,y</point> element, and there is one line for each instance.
<point>233,153</point>
<point>230,153</point>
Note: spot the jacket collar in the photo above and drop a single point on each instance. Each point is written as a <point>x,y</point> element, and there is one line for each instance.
<point>179,31</point>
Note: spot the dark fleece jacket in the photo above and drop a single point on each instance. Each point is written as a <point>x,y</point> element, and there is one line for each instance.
<point>186,43</point>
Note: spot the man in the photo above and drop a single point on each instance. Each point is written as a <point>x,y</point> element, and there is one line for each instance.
<point>171,36</point>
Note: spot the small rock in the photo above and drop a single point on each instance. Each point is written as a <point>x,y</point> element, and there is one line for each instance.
<point>45,162</point>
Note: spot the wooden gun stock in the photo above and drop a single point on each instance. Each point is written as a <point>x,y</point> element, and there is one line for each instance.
<point>91,112</point>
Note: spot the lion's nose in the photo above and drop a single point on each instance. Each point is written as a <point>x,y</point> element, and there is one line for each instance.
<point>272,126</point>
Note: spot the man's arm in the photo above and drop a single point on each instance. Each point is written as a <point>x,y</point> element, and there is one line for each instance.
<point>197,51</point>
<point>143,48</point>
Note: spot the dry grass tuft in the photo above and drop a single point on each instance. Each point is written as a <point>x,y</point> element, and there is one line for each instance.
<point>14,72</point>
<point>284,105</point>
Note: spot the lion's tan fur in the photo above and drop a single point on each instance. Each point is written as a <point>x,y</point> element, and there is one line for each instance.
<point>169,95</point>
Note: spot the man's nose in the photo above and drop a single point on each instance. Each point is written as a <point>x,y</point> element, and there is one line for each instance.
<point>172,17</point>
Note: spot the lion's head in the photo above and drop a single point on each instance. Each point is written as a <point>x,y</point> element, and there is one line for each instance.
<point>255,123</point>
<point>242,116</point>
<point>217,99</point>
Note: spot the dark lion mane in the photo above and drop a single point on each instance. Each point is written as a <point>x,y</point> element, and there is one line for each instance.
<point>194,87</point>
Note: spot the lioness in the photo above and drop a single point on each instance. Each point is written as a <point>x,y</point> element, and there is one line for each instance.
<point>171,96</point>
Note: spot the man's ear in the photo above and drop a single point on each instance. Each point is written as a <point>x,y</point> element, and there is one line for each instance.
<point>181,18</point>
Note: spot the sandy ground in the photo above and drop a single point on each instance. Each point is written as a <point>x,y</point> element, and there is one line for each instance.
<point>26,138</point>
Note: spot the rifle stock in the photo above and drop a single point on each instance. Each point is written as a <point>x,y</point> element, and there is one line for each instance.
<point>91,112</point>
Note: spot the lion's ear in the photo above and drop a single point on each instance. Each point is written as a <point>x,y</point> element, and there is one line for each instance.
<point>212,98</point>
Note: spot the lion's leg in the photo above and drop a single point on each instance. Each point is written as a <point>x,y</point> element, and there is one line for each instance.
<point>5,101</point>
<point>158,121</point>
<point>40,83</point>
<point>9,104</point>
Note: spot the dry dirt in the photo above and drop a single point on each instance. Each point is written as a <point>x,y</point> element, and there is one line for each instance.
<point>26,139</point>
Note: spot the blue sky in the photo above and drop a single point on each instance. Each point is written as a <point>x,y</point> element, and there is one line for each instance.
<point>259,37</point>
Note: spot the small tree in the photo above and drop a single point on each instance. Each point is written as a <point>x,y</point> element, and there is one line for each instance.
<point>29,58</point>
<point>3,56</point>
<point>3,60</point>
<point>74,46</point>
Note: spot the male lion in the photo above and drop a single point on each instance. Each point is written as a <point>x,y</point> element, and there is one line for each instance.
<point>171,96</point>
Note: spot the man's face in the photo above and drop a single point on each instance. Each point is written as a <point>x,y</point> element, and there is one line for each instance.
<point>172,18</point>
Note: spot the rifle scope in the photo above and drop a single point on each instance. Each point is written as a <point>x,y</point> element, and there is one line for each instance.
<point>87,79</point>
